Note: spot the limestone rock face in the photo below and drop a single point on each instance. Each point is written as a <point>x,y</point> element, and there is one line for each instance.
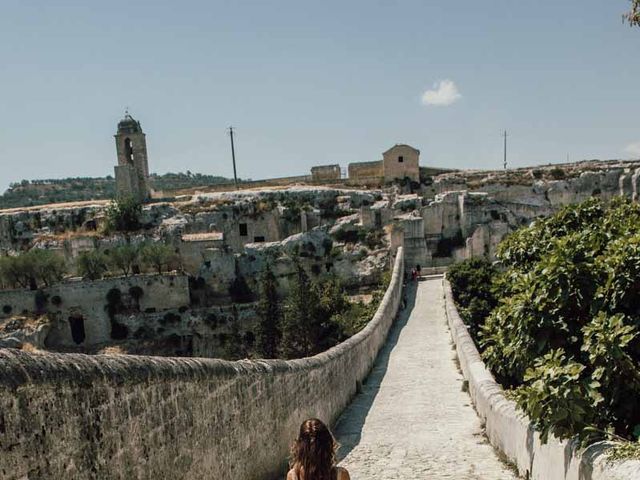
<point>353,270</point>
<point>407,202</point>
<point>17,332</point>
<point>344,224</point>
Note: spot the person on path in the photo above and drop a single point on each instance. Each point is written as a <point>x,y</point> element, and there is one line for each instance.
<point>414,274</point>
<point>313,454</point>
<point>418,270</point>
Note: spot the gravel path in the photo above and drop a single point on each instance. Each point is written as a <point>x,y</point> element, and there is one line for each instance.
<point>412,420</point>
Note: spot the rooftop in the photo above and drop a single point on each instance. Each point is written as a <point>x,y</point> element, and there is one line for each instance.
<point>202,237</point>
<point>129,125</point>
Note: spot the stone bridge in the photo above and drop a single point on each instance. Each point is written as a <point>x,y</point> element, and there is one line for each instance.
<point>395,392</point>
<point>413,419</point>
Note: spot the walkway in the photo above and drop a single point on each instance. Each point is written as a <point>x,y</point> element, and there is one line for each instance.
<point>412,420</point>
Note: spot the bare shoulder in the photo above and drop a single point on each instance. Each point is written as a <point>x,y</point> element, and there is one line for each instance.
<point>343,474</point>
<point>291,475</point>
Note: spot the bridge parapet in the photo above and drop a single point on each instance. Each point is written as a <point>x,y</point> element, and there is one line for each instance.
<point>112,417</point>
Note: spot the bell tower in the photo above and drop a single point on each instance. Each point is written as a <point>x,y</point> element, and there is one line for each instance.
<point>132,171</point>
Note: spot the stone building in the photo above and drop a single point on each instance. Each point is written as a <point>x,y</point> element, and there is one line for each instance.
<point>132,171</point>
<point>399,162</point>
<point>322,173</point>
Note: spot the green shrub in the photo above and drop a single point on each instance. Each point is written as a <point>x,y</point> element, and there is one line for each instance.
<point>565,331</point>
<point>472,287</point>
<point>123,215</point>
<point>33,269</point>
<point>92,265</point>
<point>157,255</point>
<point>557,173</point>
<point>124,257</point>
<point>346,235</point>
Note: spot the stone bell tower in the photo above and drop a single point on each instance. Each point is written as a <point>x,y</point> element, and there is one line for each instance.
<point>132,171</point>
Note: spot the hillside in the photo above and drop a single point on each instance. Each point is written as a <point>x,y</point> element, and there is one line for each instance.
<point>40,192</point>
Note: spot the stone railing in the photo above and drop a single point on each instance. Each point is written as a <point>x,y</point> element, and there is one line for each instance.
<point>112,417</point>
<point>511,432</point>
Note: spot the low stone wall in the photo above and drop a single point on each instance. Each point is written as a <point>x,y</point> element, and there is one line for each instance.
<point>117,417</point>
<point>511,432</point>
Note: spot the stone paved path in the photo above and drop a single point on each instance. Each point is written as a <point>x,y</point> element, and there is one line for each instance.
<point>412,420</point>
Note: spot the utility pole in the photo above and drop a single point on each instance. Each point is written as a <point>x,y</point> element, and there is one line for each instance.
<point>505,149</point>
<point>233,157</point>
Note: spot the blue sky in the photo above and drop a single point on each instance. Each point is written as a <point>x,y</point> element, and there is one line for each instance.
<point>309,83</point>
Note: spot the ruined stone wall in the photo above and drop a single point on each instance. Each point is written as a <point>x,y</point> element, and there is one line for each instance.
<point>322,173</point>
<point>203,332</point>
<point>122,417</point>
<point>87,299</point>
<point>365,172</point>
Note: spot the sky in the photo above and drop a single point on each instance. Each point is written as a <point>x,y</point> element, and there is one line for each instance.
<point>314,82</point>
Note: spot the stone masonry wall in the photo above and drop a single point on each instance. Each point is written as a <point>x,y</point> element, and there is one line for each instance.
<point>365,172</point>
<point>88,299</point>
<point>116,417</point>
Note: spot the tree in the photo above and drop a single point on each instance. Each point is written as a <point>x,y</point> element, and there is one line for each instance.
<point>33,268</point>
<point>157,255</point>
<point>633,16</point>
<point>270,315</point>
<point>47,266</point>
<point>239,290</point>
<point>17,272</point>
<point>124,257</point>
<point>123,215</point>
<point>92,265</point>
<point>300,317</point>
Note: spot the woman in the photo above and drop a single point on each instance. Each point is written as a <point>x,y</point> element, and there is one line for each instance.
<point>313,454</point>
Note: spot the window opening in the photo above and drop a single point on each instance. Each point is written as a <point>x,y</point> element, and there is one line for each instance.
<point>128,150</point>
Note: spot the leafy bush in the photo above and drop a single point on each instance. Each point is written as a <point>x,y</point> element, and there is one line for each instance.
<point>557,173</point>
<point>565,331</point>
<point>123,215</point>
<point>35,268</point>
<point>157,255</point>
<point>92,265</point>
<point>472,287</point>
<point>124,257</point>
<point>348,235</point>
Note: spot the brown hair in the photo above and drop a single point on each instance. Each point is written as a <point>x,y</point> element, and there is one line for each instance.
<point>313,454</point>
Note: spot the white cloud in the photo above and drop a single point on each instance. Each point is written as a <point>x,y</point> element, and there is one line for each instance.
<point>443,93</point>
<point>633,149</point>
